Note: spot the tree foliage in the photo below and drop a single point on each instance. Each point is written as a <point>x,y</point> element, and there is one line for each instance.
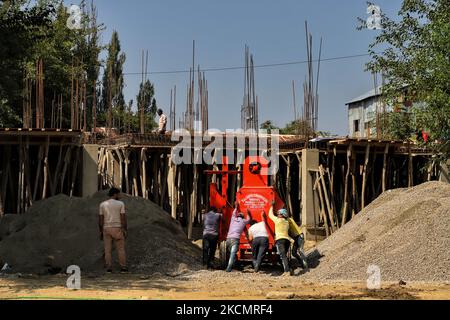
<point>298,127</point>
<point>32,30</point>
<point>415,55</point>
<point>269,126</point>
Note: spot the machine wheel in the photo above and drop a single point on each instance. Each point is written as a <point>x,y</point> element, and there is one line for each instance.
<point>223,255</point>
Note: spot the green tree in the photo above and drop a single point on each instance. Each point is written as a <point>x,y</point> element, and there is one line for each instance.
<point>269,126</point>
<point>21,25</point>
<point>146,99</point>
<point>299,127</point>
<point>38,30</point>
<point>113,81</point>
<point>415,54</point>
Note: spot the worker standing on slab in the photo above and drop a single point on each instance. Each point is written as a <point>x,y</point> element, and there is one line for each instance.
<point>162,122</point>
<point>298,251</point>
<point>259,238</point>
<point>211,221</point>
<point>237,225</point>
<point>282,239</point>
<point>113,228</point>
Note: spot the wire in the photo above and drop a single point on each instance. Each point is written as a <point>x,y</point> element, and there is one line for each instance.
<point>257,66</point>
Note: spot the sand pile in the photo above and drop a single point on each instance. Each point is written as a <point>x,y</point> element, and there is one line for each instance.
<point>62,231</point>
<point>404,232</point>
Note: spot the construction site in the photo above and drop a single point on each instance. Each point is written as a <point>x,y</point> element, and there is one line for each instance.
<point>362,202</point>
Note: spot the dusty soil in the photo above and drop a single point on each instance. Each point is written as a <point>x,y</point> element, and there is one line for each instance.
<point>206,285</point>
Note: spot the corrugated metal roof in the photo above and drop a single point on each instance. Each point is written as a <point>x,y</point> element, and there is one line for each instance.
<point>367,95</point>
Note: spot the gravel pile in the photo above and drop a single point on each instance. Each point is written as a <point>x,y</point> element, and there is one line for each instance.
<point>63,231</point>
<point>405,232</point>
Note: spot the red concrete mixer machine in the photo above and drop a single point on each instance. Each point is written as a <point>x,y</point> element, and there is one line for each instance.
<point>255,196</point>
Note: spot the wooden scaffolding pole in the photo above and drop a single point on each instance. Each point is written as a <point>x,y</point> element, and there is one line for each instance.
<point>347,176</point>
<point>46,168</point>
<point>383,175</point>
<point>364,181</point>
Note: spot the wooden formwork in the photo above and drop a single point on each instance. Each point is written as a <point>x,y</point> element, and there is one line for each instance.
<point>351,174</point>
<point>36,164</point>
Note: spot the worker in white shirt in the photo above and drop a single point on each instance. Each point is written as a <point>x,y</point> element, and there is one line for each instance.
<point>259,238</point>
<point>162,122</point>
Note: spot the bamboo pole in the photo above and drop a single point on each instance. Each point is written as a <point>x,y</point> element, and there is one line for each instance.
<point>410,167</point>
<point>347,176</point>
<point>144,173</point>
<point>57,169</point>
<point>364,182</point>
<point>327,201</point>
<point>28,200</point>
<point>72,113</point>
<point>299,158</point>
<point>64,170</point>
<point>21,178</point>
<point>354,192</point>
<point>193,207</point>
<point>46,168</point>
<point>174,191</point>
<point>5,175</point>
<point>38,171</point>
<point>430,170</point>
<point>126,156</point>
<point>163,183</point>
<point>288,182</point>
<point>119,155</point>
<point>318,189</point>
<point>74,171</point>
<point>156,158</point>
<point>135,173</point>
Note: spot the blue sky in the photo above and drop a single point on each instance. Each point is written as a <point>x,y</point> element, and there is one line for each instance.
<point>274,30</point>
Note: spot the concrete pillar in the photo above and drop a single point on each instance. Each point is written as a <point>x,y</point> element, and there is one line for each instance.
<point>90,169</point>
<point>310,207</point>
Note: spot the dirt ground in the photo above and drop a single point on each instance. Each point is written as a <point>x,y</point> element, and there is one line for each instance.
<point>207,285</point>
